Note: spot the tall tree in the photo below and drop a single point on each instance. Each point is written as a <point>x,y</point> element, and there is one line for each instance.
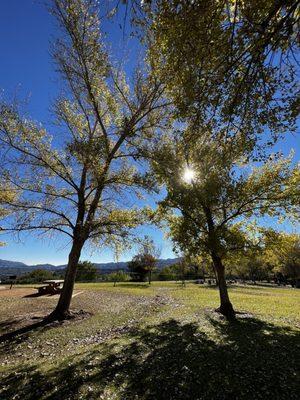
<point>215,194</point>
<point>74,181</point>
<point>230,70</point>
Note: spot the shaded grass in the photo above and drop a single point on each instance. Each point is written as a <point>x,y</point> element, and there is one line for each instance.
<point>173,361</point>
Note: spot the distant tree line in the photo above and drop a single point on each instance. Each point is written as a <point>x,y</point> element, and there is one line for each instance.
<point>275,257</point>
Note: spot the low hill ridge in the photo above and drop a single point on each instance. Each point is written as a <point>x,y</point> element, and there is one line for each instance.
<point>16,267</point>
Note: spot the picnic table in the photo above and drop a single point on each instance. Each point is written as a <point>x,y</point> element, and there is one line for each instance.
<point>52,286</point>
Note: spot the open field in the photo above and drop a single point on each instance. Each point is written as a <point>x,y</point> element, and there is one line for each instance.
<point>158,342</point>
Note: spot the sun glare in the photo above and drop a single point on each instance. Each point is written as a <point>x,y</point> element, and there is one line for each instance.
<point>188,175</point>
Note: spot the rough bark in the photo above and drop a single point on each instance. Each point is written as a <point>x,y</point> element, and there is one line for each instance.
<point>149,277</point>
<point>215,273</point>
<point>226,307</point>
<point>62,310</point>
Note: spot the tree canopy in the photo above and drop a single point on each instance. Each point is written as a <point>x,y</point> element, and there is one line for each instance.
<point>230,65</point>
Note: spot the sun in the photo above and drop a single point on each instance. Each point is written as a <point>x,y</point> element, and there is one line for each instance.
<point>188,175</point>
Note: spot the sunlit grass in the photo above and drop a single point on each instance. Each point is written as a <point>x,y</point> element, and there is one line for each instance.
<point>266,301</point>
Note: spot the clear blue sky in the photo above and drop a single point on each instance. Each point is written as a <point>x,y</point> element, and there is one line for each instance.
<point>26,69</point>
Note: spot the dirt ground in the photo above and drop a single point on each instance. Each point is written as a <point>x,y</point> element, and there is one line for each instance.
<point>21,306</point>
<point>17,292</point>
<point>28,292</point>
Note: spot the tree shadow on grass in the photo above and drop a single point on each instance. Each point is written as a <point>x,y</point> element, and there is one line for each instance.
<point>8,324</point>
<point>12,337</point>
<point>250,359</point>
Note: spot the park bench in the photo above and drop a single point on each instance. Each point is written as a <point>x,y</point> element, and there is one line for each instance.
<point>51,287</point>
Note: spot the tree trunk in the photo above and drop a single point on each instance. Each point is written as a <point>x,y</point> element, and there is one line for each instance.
<point>225,307</point>
<point>215,273</point>
<point>62,309</point>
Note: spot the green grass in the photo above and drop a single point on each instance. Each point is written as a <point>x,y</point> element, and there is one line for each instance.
<point>157,342</point>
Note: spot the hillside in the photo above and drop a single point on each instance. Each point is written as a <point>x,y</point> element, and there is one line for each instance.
<point>19,268</point>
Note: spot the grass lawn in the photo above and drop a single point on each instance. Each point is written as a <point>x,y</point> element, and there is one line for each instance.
<point>158,342</point>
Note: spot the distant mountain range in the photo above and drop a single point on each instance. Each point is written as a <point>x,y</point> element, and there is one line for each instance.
<point>19,268</point>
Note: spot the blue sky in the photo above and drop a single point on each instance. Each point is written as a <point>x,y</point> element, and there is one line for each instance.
<point>26,70</point>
